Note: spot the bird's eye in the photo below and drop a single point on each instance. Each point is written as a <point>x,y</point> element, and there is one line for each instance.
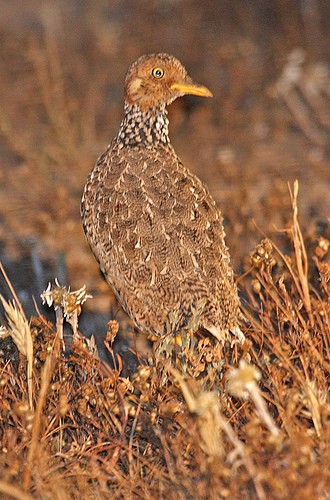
<point>158,72</point>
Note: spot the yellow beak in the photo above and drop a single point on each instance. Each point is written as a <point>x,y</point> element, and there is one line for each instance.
<point>192,88</point>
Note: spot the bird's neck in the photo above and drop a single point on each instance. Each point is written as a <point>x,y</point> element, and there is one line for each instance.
<point>143,128</point>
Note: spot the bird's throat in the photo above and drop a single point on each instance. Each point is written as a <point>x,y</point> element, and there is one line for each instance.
<point>143,128</point>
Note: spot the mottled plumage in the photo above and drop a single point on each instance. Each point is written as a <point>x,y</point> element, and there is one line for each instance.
<point>151,224</point>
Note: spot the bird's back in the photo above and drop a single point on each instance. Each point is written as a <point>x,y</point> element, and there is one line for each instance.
<point>159,239</point>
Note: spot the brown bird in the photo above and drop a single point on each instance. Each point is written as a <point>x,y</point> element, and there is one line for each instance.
<point>152,225</point>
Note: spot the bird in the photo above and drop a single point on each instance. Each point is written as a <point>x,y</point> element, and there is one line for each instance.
<point>151,224</point>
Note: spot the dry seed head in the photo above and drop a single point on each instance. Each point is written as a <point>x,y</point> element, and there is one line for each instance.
<point>256,286</point>
<point>3,332</point>
<point>92,347</point>
<point>131,410</point>
<point>59,296</point>
<point>53,295</point>
<point>21,408</point>
<point>126,384</point>
<point>263,254</point>
<point>18,327</point>
<point>143,373</point>
<point>322,247</point>
<point>4,380</point>
<point>240,378</point>
<point>241,383</point>
<point>206,406</point>
<point>25,414</point>
<point>113,328</point>
<point>324,270</point>
<point>73,300</point>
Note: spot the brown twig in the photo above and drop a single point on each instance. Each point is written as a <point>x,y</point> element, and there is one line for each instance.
<point>46,375</point>
<point>14,491</point>
<point>300,252</point>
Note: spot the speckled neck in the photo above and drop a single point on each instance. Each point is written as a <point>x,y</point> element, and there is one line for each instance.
<point>143,128</point>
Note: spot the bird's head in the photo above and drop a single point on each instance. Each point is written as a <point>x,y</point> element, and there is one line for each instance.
<point>158,79</point>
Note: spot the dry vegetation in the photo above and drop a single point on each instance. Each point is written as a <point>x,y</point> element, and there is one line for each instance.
<point>196,419</point>
<point>180,426</point>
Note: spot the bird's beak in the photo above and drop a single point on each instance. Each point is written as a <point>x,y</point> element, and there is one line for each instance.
<point>191,88</point>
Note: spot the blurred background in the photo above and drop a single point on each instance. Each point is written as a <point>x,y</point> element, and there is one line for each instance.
<point>62,67</point>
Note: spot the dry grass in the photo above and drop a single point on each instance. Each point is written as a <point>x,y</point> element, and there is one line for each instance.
<point>92,433</point>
